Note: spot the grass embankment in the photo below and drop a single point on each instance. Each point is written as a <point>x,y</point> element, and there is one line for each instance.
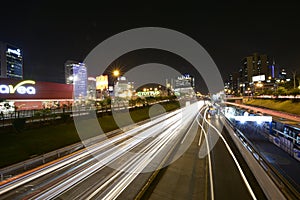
<point>288,106</point>
<point>17,147</point>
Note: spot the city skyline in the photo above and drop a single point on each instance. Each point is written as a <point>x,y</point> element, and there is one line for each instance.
<point>49,38</point>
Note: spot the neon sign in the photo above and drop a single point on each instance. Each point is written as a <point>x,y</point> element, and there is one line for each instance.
<point>149,93</point>
<point>19,88</point>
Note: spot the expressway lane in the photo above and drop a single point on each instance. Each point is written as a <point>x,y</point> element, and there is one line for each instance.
<point>149,140</point>
<point>131,166</point>
<point>230,181</point>
<point>185,178</point>
<point>192,176</point>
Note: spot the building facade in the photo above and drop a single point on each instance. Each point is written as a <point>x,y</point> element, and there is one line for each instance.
<point>34,95</point>
<point>254,65</point>
<point>184,86</point>
<point>11,61</point>
<point>76,74</point>
<point>91,88</point>
<point>123,88</point>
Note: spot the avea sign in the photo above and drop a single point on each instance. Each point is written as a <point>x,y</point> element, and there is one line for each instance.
<point>19,88</point>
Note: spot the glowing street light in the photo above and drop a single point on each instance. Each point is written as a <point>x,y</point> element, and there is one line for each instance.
<point>116,73</point>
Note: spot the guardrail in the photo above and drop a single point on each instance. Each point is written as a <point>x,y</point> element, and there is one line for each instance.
<point>15,169</point>
<point>283,185</point>
<point>20,167</point>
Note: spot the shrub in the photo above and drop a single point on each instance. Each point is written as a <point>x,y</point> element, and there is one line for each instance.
<point>19,124</point>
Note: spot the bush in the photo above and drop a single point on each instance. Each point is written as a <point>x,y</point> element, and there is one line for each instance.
<point>65,117</point>
<point>19,124</point>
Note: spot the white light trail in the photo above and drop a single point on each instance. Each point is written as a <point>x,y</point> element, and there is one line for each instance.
<point>235,161</point>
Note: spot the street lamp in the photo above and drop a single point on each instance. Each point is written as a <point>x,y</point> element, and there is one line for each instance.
<point>260,85</point>
<point>116,73</point>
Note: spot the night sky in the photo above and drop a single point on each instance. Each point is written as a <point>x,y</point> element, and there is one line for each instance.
<point>49,32</point>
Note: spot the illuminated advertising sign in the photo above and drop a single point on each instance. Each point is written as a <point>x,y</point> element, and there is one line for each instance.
<point>19,88</point>
<point>17,51</point>
<point>148,93</point>
<point>258,78</point>
<point>258,119</point>
<point>101,82</point>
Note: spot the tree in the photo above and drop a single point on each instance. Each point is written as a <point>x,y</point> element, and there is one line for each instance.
<point>294,92</point>
<point>140,101</point>
<point>132,102</point>
<point>281,91</point>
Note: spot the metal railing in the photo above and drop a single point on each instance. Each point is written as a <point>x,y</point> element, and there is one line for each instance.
<point>287,188</point>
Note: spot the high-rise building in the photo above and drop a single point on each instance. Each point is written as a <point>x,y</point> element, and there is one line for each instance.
<point>123,88</point>
<point>282,74</point>
<point>102,86</point>
<point>11,61</point>
<point>254,65</point>
<point>185,81</point>
<point>91,88</point>
<point>76,74</point>
<point>184,86</point>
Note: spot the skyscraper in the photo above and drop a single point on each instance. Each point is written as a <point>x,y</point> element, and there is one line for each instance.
<point>254,65</point>
<point>11,61</point>
<point>76,74</point>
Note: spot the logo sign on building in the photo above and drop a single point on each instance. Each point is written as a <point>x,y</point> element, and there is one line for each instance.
<point>101,82</point>
<point>20,88</point>
<point>148,93</point>
<point>14,51</point>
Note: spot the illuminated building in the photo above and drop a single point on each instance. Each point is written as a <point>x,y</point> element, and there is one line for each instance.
<point>34,95</point>
<point>252,66</point>
<point>102,87</point>
<point>76,74</point>
<point>123,88</point>
<point>11,61</point>
<point>184,81</point>
<point>282,74</point>
<point>91,88</point>
<point>184,86</point>
<point>102,82</point>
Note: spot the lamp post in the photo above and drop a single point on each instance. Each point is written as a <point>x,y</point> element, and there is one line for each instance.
<point>260,85</point>
<point>116,74</point>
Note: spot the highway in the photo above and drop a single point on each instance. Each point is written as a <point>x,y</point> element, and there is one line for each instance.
<point>185,154</point>
<point>231,176</point>
<point>105,169</point>
<point>221,174</point>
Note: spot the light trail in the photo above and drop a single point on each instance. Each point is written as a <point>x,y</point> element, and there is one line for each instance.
<point>160,137</point>
<point>208,153</point>
<point>104,159</point>
<point>14,182</point>
<point>235,160</point>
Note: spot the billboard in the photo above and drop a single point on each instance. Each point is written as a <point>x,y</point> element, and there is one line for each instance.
<point>258,78</point>
<point>101,82</point>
